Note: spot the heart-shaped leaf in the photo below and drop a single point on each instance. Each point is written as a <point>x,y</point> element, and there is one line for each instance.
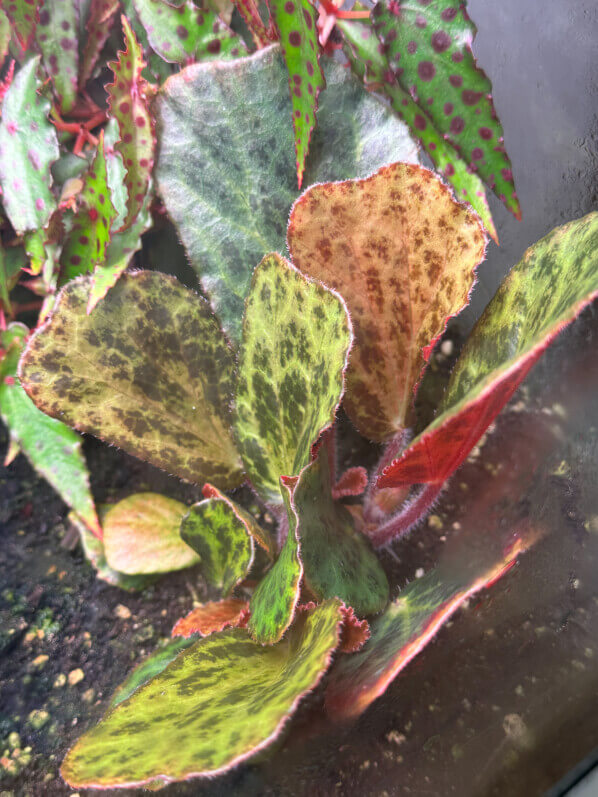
<point>217,703</point>
<point>370,63</point>
<point>215,532</point>
<point>212,617</point>
<point>141,535</point>
<point>555,280</point>
<point>428,47</point>
<point>56,35</point>
<point>100,18</point>
<point>148,370</point>
<point>296,336</point>
<point>185,33</point>
<point>53,449</point>
<point>225,168</point>
<point>402,253</point>
<point>28,147</point>
<point>260,535</point>
<point>337,559</point>
<point>274,601</point>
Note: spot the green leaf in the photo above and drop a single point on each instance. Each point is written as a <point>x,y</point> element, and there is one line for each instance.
<point>362,48</point>
<point>296,337</point>
<point>86,245</point>
<point>28,147</point>
<point>5,34</point>
<point>56,35</point>
<point>23,16</point>
<point>213,530</point>
<point>274,601</point>
<point>260,535</point>
<point>130,107</point>
<point>338,560</point>
<point>555,280</point>
<point>141,535</point>
<point>220,701</point>
<point>52,448</point>
<point>186,33</point>
<point>226,171</point>
<point>295,21</point>
<point>12,260</point>
<point>428,47</point>
<point>97,29</point>
<point>149,370</point>
<point>402,253</point>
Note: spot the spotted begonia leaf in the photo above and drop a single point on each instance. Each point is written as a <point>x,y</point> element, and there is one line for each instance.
<point>367,61</point>
<point>226,170</point>
<point>215,532</point>
<point>296,336</point>
<point>274,601</point>
<point>337,559</point>
<point>403,254</point>
<point>410,623</point>
<point>150,668</point>
<point>212,617</point>
<point>543,293</point>
<point>295,21</point>
<point>86,245</point>
<point>56,35</point>
<point>259,534</point>
<point>428,47</point>
<point>102,14</point>
<point>130,107</point>
<point>216,704</point>
<point>185,33</point>
<point>141,535</point>
<point>28,147</point>
<point>23,15</point>
<point>53,449</point>
<point>149,370</point>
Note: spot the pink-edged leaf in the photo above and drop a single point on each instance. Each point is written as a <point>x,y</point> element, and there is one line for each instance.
<point>129,105</point>
<point>354,632</point>
<point>546,291</point>
<point>296,24</point>
<point>56,36</point>
<point>102,14</point>
<point>215,705</point>
<point>402,253</point>
<point>259,534</point>
<point>23,15</point>
<point>212,617</point>
<point>352,482</point>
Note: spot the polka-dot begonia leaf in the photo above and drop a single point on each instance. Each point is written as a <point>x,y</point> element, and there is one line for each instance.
<point>296,24</point>
<point>129,105</point>
<point>53,449</point>
<point>56,36</point>
<point>402,253</point>
<point>28,147</point>
<point>362,48</point>
<point>86,245</point>
<point>149,370</point>
<point>187,33</point>
<point>101,16</point>
<point>23,15</point>
<point>428,47</point>
<point>543,293</point>
<point>216,704</point>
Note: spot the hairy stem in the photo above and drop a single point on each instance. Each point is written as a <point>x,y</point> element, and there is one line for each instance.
<point>411,513</point>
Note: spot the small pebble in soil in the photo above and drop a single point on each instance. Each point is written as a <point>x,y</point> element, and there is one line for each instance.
<point>122,612</point>
<point>60,680</point>
<point>76,676</point>
<point>435,522</point>
<point>38,718</point>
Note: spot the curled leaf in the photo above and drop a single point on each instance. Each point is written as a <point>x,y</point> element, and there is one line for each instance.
<point>210,618</point>
<point>260,535</point>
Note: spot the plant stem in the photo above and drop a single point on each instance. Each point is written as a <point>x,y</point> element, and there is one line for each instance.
<point>411,513</point>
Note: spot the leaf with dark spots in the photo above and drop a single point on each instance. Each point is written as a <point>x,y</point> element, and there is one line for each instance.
<point>262,537</point>
<point>23,16</point>
<point>215,532</point>
<point>52,448</point>
<point>544,292</point>
<point>217,703</point>
<point>208,618</point>
<point>28,147</point>
<point>184,33</point>
<point>428,49</point>
<point>141,535</point>
<point>230,193</point>
<point>402,253</point>
<point>296,336</point>
<point>101,16</point>
<point>162,393</point>
<point>56,36</point>
<point>337,559</point>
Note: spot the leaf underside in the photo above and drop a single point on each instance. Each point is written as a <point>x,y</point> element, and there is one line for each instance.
<point>225,168</point>
<point>543,293</point>
<point>209,618</point>
<point>402,253</point>
<point>182,724</point>
<point>148,370</point>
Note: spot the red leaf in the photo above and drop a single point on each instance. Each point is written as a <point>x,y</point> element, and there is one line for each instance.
<point>354,632</point>
<point>214,616</point>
